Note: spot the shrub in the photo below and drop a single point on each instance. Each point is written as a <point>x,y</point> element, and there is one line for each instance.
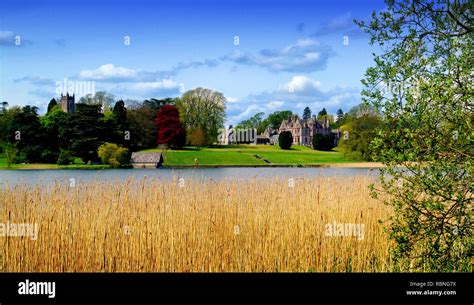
<point>112,154</point>
<point>65,158</point>
<point>285,139</point>
<point>114,163</point>
<point>322,142</point>
<point>122,156</point>
<point>78,161</point>
<point>10,152</point>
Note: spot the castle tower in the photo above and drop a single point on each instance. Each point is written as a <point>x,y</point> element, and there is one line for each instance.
<point>67,103</point>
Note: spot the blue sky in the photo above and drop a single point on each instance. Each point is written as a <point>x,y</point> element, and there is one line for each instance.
<point>263,56</point>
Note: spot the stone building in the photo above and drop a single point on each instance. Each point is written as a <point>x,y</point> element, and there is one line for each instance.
<point>67,103</point>
<point>304,129</point>
<point>270,136</point>
<point>146,160</point>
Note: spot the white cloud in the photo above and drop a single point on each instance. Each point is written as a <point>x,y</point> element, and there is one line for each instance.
<point>112,73</point>
<point>232,99</point>
<point>157,89</point>
<point>108,71</point>
<point>307,42</point>
<point>302,85</point>
<point>306,55</point>
<point>241,115</point>
<point>167,84</point>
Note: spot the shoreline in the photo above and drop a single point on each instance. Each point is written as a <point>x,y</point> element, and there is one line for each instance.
<point>189,166</point>
<point>321,165</point>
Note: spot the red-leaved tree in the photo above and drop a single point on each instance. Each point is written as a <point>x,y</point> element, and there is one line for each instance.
<point>169,129</point>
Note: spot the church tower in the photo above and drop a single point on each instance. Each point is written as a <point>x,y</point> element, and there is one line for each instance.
<point>67,103</point>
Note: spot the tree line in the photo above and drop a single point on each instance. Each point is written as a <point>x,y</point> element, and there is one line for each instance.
<point>104,130</point>
<point>357,129</point>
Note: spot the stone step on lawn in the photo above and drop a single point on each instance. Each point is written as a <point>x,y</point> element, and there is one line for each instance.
<point>263,159</point>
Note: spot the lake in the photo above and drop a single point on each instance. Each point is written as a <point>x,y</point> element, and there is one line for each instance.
<point>48,177</point>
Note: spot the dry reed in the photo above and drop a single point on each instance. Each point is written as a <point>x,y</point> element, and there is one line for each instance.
<point>259,225</point>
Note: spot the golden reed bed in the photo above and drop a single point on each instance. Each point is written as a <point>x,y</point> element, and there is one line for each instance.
<point>269,225</point>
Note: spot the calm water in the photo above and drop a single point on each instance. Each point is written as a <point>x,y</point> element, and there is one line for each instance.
<point>47,177</point>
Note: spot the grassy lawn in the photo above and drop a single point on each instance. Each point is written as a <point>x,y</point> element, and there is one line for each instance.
<point>232,155</point>
<point>51,166</point>
<point>244,155</point>
<point>4,165</point>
